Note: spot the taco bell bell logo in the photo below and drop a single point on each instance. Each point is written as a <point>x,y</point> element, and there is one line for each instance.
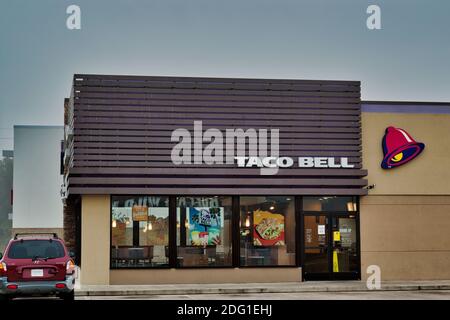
<point>399,148</point>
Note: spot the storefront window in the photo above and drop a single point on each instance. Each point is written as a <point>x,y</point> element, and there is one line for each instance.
<point>330,203</point>
<point>140,231</point>
<point>267,231</point>
<point>204,231</point>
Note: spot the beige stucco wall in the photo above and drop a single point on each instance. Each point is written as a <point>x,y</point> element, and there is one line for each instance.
<point>210,275</point>
<point>428,174</point>
<point>95,238</point>
<point>407,236</point>
<point>406,217</point>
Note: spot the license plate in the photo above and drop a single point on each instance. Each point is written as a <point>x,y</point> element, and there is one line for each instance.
<point>37,272</point>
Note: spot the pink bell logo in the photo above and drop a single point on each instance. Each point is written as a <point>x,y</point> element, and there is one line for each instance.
<point>399,148</point>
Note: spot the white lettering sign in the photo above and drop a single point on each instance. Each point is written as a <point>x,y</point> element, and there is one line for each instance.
<point>247,148</point>
<point>286,162</point>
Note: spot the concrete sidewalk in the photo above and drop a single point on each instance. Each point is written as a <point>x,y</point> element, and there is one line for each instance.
<point>252,288</point>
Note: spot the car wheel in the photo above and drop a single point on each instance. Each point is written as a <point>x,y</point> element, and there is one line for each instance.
<point>68,296</point>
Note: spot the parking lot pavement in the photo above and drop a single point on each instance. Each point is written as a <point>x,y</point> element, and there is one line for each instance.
<point>366,295</point>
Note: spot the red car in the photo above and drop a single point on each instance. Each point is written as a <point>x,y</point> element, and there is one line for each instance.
<point>36,264</point>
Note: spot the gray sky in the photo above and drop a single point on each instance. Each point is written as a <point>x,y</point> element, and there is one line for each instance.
<point>409,59</point>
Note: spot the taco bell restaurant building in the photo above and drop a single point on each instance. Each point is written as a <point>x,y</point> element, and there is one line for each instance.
<point>150,198</point>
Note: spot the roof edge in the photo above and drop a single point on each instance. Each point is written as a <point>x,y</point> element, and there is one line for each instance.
<point>387,102</point>
<point>126,76</point>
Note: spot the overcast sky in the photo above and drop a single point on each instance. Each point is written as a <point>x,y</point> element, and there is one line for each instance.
<point>409,59</point>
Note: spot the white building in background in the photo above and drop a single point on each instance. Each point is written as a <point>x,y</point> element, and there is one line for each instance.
<point>37,180</point>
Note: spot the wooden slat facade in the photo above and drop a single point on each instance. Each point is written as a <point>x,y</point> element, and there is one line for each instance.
<point>122,128</point>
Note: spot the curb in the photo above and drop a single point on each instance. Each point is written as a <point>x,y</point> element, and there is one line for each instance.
<point>193,291</point>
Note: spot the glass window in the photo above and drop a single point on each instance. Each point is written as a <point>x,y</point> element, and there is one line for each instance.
<point>204,231</point>
<point>330,203</point>
<point>140,231</point>
<point>267,231</point>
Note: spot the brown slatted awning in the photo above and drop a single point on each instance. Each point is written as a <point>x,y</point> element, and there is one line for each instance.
<point>122,127</point>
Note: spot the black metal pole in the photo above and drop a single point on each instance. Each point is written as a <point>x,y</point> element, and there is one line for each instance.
<point>235,232</point>
<point>173,231</point>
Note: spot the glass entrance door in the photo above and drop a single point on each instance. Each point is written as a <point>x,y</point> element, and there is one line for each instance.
<point>316,244</point>
<point>345,256</point>
<point>330,246</point>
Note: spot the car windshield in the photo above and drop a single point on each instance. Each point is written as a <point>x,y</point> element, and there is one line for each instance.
<point>30,249</point>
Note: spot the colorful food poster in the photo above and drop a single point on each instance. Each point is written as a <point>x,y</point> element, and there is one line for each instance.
<point>205,225</point>
<point>268,228</point>
<point>140,213</point>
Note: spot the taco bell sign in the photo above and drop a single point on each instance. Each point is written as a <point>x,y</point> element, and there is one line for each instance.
<point>286,162</point>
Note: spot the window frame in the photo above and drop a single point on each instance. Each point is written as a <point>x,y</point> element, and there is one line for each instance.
<point>296,208</point>
<point>330,214</point>
<point>111,266</point>
<point>175,250</point>
<point>235,231</point>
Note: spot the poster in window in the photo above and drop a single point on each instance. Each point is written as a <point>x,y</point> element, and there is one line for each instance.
<point>268,228</point>
<point>140,213</point>
<point>158,219</point>
<point>121,226</point>
<point>205,225</point>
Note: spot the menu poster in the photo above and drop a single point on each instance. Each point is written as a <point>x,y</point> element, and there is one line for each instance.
<point>205,225</point>
<point>268,228</point>
<point>140,213</point>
